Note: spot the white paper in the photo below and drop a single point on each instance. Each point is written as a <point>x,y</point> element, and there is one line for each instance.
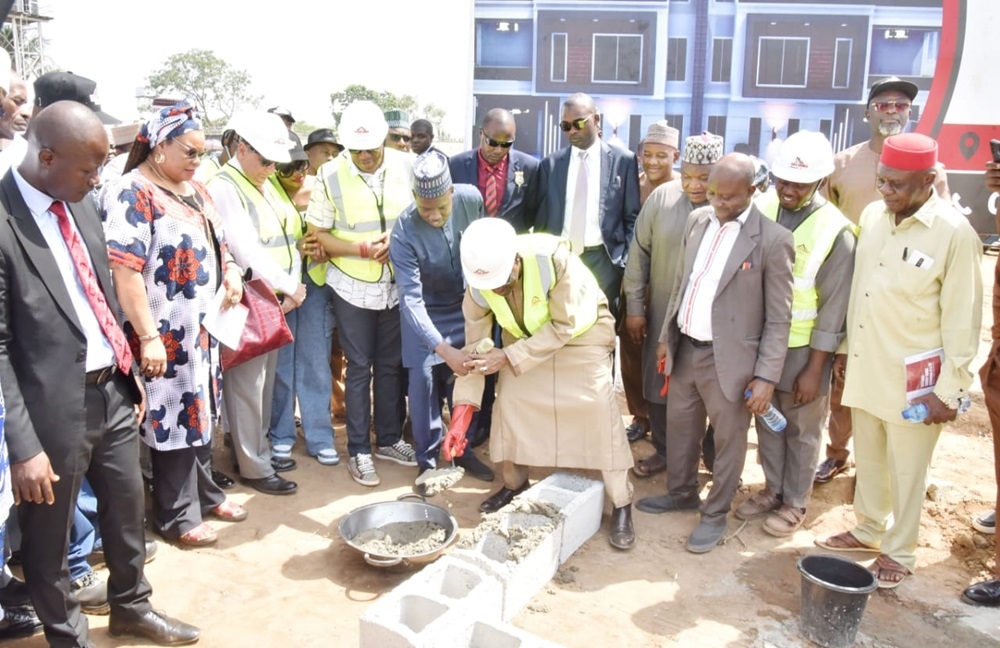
<point>226,327</point>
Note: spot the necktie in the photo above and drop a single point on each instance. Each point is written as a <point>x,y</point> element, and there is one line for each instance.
<point>490,202</point>
<point>578,219</point>
<point>105,318</point>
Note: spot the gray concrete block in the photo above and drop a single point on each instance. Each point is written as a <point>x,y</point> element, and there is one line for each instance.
<point>405,620</point>
<point>484,634</point>
<point>581,502</point>
<point>464,585</point>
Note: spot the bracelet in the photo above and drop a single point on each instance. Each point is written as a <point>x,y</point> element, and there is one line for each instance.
<point>147,338</point>
<point>363,250</point>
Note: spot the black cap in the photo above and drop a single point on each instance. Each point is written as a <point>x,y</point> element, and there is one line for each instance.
<point>323,136</point>
<point>296,151</point>
<point>282,112</point>
<point>66,86</point>
<point>892,83</point>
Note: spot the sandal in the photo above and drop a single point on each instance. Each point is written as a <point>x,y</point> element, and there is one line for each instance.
<point>785,521</point>
<point>200,536</point>
<point>760,503</point>
<point>229,511</point>
<point>844,542</point>
<point>888,572</point>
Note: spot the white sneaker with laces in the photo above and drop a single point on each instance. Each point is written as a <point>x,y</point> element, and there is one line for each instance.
<point>401,452</point>
<point>362,469</point>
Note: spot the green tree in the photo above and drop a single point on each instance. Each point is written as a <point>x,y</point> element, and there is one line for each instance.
<point>215,86</point>
<point>387,101</point>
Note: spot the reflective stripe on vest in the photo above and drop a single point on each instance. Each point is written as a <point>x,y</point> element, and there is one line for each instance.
<point>814,238</point>
<point>356,208</point>
<point>538,274</point>
<point>277,222</point>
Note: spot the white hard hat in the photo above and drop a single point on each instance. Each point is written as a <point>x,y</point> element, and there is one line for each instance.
<point>488,248</point>
<point>265,132</point>
<point>805,157</point>
<point>362,126</point>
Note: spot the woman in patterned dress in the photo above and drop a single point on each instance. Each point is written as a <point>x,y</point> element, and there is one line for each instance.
<point>167,253</point>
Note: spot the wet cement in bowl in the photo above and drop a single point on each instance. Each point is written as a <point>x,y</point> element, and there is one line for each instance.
<point>401,539</point>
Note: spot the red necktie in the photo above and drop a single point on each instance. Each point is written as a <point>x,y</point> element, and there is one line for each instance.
<point>490,204</point>
<point>106,319</point>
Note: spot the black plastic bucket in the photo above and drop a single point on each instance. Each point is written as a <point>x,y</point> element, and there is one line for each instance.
<point>834,594</point>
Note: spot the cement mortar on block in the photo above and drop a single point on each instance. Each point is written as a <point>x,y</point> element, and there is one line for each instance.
<point>407,620</point>
<point>581,503</point>
<point>464,585</point>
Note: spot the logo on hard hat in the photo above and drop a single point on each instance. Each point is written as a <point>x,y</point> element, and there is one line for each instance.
<point>361,130</point>
<point>797,163</point>
<point>480,271</point>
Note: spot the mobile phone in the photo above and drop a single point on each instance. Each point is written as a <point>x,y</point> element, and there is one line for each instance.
<point>995,150</point>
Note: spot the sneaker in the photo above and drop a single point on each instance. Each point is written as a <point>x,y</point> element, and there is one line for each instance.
<point>92,593</point>
<point>985,522</point>
<point>401,452</point>
<point>362,469</point>
<point>328,457</point>
<point>281,451</point>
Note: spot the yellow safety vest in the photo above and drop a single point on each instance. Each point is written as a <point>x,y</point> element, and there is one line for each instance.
<point>277,222</point>
<point>814,239</point>
<point>361,214</point>
<point>538,274</point>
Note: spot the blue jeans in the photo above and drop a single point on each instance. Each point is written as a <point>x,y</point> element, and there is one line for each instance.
<point>304,371</point>
<point>85,535</point>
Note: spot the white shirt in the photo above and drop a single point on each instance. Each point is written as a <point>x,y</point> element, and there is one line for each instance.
<point>243,238</point>
<point>11,156</point>
<point>695,315</point>
<point>592,233</point>
<point>99,352</point>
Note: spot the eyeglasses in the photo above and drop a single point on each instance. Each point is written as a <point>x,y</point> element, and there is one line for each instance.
<point>192,153</point>
<point>396,137</point>
<point>263,160</point>
<point>577,124</point>
<point>495,143</point>
<point>373,151</point>
<point>289,169</point>
<point>897,106</point>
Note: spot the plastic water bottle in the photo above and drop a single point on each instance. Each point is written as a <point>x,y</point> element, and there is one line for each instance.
<point>917,412</point>
<point>773,419</point>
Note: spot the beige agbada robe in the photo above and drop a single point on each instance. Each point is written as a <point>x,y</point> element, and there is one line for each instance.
<point>555,403</point>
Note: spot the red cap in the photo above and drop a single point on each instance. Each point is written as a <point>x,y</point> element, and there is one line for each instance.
<point>909,152</point>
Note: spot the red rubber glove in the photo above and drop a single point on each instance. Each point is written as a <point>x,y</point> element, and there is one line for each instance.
<point>454,440</point>
<point>661,365</point>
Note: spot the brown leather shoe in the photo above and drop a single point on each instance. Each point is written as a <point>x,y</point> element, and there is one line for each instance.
<point>622,533</point>
<point>651,465</point>
<point>501,498</point>
<point>155,626</point>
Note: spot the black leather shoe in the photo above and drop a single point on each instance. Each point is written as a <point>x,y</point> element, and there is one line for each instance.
<point>19,622</point>
<point>986,593</point>
<point>273,485</point>
<point>622,534</point>
<point>668,503</point>
<point>222,480</point>
<point>501,498</point>
<point>97,560</point>
<point>14,594</point>
<point>474,467</point>
<point>157,627</point>
<point>636,430</point>
<point>283,465</point>
<point>829,469</point>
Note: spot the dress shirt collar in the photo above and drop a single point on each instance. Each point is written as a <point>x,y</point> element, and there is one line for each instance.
<point>741,219</point>
<point>593,152</point>
<point>38,202</point>
<point>493,168</point>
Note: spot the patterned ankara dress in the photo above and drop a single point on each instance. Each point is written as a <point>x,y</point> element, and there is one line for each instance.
<point>165,237</point>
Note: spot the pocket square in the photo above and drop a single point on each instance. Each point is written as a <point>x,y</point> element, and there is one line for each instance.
<point>746,265</point>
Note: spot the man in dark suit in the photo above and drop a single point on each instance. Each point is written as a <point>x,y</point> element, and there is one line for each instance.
<point>725,334</point>
<point>505,177</point>
<point>590,195</point>
<point>66,375</point>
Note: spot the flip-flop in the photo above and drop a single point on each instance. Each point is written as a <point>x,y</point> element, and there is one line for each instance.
<point>886,564</point>
<point>855,545</point>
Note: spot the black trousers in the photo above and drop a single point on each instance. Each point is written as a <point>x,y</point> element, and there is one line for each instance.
<point>608,275</point>
<point>108,455</point>
<point>183,490</point>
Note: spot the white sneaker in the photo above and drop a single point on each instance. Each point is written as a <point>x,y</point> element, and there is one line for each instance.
<point>328,457</point>
<point>985,522</point>
<point>362,469</point>
<point>401,452</point>
<point>281,451</point>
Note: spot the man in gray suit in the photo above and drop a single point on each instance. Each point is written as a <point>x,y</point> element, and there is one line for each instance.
<point>590,195</point>
<point>726,334</point>
<point>66,375</point>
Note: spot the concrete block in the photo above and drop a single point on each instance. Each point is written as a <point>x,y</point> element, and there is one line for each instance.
<point>462,584</point>
<point>581,502</point>
<point>484,634</point>
<point>402,620</point>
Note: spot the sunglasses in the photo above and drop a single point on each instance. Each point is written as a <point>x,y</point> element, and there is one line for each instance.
<point>577,124</point>
<point>373,151</point>
<point>898,106</point>
<point>263,160</point>
<point>396,137</point>
<point>289,169</point>
<point>495,143</point>
<point>190,152</point>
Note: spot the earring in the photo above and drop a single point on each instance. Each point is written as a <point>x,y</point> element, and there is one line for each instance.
<point>159,158</point>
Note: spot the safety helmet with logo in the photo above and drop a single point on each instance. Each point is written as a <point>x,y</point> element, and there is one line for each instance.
<point>265,132</point>
<point>488,249</point>
<point>805,157</point>
<point>362,126</point>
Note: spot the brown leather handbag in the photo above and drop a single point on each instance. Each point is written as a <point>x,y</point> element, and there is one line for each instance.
<point>265,330</point>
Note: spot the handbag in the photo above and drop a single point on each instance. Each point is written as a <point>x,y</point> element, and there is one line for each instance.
<point>265,330</point>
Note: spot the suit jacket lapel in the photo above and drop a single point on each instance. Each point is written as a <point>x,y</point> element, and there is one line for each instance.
<point>35,248</point>
<point>746,241</point>
<point>88,221</point>
<point>693,243</point>
<point>561,173</point>
<point>513,166</point>
<point>607,166</point>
